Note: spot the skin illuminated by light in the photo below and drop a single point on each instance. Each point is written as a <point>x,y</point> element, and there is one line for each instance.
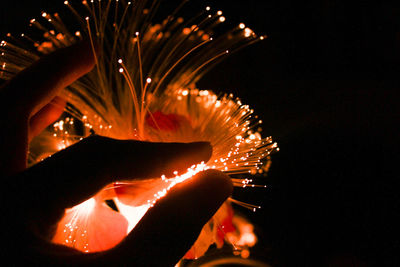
<point>223,120</point>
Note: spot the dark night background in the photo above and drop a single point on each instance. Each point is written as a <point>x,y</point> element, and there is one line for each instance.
<point>326,85</point>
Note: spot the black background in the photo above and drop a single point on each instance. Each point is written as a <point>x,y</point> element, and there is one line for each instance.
<point>325,83</point>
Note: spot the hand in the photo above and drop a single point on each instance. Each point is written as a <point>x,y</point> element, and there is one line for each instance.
<point>34,199</point>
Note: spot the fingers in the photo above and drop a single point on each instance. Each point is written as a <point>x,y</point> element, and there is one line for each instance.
<point>164,234</point>
<point>78,172</point>
<point>46,116</point>
<point>37,85</point>
<point>29,92</point>
<point>170,228</point>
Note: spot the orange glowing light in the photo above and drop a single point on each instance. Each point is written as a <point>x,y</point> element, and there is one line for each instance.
<point>130,98</point>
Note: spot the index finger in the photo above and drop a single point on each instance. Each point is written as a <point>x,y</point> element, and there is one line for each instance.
<point>38,84</point>
<point>81,170</point>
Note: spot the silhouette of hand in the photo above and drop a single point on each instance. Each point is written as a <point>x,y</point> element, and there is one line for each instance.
<point>34,199</point>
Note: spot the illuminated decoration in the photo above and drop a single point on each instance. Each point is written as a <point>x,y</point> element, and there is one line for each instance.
<point>143,88</point>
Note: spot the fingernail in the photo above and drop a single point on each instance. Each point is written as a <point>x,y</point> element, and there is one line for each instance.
<point>216,184</point>
<point>204,149</point>
<point>202,195</point>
